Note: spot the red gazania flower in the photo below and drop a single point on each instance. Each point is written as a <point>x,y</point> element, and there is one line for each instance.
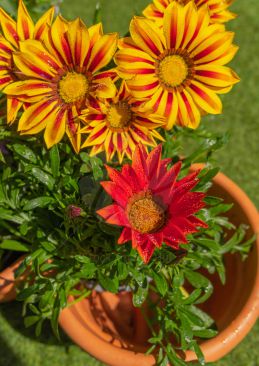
<point>152,205</point>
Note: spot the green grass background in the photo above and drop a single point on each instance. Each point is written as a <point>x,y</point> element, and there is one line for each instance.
<point>239,160</point>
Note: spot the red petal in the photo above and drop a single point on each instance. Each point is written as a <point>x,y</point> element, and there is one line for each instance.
<point>173,233</point>
<point>156,238</point>
<point>146,250</point>
<point>114,215</point>
<point>119,180</point>
<point>190,203</point>
<point>140,166</point>
<point>129,173</point>
<point>126,235</point>
<point>197,222</point>
<point>116,193</point>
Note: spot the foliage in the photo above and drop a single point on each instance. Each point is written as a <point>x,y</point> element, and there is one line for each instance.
<point>71,255</point>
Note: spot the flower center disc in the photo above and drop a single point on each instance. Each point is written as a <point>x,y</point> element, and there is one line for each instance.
<point>119,115</point>
<point>146,216</point>
<point>173,70</point>
<point>73,87</point>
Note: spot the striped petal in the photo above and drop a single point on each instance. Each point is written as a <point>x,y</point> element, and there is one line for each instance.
<point>79,41</point>
<point>174,19</point>
<point>35,117</point>
<point>55,128</point>
<point>102,52</point>
<point>143,86</point>
<point>214,75</point>
<point>103,88</point>
<point>188,113</point>
<point>25,26</point>
<point>59,38</point>
<point>13,107</point>
<point>8,27</point>
<point>212,48</point>
<point>73,129</point>
<point>28,88</point>
<point>30,66</point>
<point>205,98</point>
<point>42,24</point>
<point>147,36</point>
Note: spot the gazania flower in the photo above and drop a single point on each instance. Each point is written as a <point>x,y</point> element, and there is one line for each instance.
<point>62,74</point>
<point>152,205</point>
<point>179,67</point>
<point>218,9</point>
<point>116,125</point>
<point>12,33</point>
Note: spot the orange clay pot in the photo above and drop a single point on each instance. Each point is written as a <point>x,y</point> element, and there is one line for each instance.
<point>110,329</point>
<point>8,282</point>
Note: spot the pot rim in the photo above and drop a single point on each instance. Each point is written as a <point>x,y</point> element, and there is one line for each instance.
<point>214,348</point>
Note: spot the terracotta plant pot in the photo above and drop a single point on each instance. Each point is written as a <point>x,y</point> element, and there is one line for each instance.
<point>110,329</point>
<point>7,282</point>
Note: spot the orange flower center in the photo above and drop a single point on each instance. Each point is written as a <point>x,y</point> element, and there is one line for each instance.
<point>73,87</point>
<point>146,215</point>
<point>119,115</point>
<point>173,70</point>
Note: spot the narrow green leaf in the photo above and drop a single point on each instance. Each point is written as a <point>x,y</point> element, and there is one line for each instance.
<point>38,202</point>
<point>54,160</point>
<point>30,320</point>
<point>161,283</point>
<point>140,296</point>
<point>14,245</point>
<point>25,152</point>
<point>43,177</point>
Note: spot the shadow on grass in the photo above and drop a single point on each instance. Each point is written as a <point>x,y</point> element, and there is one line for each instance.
<point>12,312</point>
<point>7,357</point>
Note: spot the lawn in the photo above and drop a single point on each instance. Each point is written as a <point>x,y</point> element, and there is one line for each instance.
<point>239,160</point>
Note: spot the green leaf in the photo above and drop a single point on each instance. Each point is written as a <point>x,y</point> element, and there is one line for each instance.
<point>54,160</point>
<point>38,202</point>
<point>161,283</point>
<point>14,245</point>
<point>199,281</point>
<point>55,316</point>
<point>43,177</point>
<point>140,296</point>
<point>205,333</point>
<point>109,284</point>
<point>25,152</point>
<point>30,320</point>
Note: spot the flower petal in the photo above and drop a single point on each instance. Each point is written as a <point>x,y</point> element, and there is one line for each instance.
<point>126,236</point>
<point>79,41</point>
<point>102,52</point>
<point>147,36</point>
<point>13,107</point>
<point>215,75</point>
<point>55,128</point>
<point>8,26</point>
<point>42,24</point>
<point>114,215</point>
<point>173,25</point>
<point>25,26</point>
<point>205,98</point>
<point>58,35</point>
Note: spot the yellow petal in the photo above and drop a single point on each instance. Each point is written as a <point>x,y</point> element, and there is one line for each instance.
<point>25,26</point>
<point>102,52</point>
<point>58,35</point>
<point>35,116</point>
<point>174,20</point>
<point>8,26</point>
<point>214,75</point>
<point>55,128</point>
<point>79,41</point>
<point>42,24</point>
<point>147,36</point>
<point>13,107</point>
<point>188,113</point>
<point>205,98</point>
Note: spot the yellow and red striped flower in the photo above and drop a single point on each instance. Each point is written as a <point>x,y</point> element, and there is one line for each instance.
<point>115,125</point>
<point>179,67</point>
<point>61,74</point>
<point>12,33</point>
<point>218,9</point>
<point>151,204</point>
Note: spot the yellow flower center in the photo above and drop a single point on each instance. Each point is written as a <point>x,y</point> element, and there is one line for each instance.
<point>73,87</point>
<point>173,70</point>
<point>146,216</point>
<point>119,115</point>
